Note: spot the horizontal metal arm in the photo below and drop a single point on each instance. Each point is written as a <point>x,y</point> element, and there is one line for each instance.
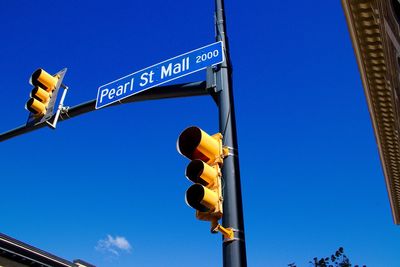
<point>160,92</point>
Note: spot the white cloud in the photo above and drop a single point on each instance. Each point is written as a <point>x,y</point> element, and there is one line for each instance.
<point>113,245</point>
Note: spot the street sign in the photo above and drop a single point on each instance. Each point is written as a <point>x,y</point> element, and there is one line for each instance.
<point>160,73</point>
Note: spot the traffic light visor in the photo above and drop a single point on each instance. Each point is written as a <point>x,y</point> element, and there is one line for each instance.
<point>194,143</point>
<point>40,94</point>
<point>199,172</point>
<point>43,79</point>
<point>36,107</point>
<point>201,198</point>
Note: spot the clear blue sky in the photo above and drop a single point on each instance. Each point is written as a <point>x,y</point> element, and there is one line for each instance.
<point>311,175</point>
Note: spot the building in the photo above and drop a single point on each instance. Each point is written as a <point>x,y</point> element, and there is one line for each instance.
<point>14,253</point>
<point>375,33</point>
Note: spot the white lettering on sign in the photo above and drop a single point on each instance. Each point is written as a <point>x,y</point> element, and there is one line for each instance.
<point>116,92</point>
<point>146,77</point>
<point>175,69</point>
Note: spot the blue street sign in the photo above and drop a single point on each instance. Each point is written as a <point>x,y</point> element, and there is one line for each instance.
<point>160,73</point>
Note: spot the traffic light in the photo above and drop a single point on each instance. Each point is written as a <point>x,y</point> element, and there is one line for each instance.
<point>205,195</point>
<point>44,95</point>
<point>41,94</point>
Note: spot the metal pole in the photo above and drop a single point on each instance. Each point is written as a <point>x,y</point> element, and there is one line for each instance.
<point>234,252</point>
<point>160,92</point>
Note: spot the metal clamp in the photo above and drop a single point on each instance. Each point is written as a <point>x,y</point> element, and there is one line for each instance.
<point>210,79</point>
<point>60,108</point>
<point>228,233</point>
<point>64,110</point>
<point>227,240</point>
<point>230,151</point>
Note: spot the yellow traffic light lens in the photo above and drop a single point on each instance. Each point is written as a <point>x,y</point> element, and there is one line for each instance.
<point>36,107</point>
<point>40,94</point>
<point>201,198</point>
<point>194,143</point>
<point>201,173</point>
<point>43,79</point>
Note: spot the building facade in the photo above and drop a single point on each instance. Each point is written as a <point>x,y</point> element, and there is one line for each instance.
<point>14,253</point>
<point>375,33</point>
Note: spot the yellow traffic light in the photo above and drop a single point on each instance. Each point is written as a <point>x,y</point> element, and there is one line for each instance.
<point>206,153</point>
<point>205,195</point>
<point>42,104</point>
<point>202,199</point>
<point>41,94</point>
<point>194,143</point>
<point>44,80</point>
<point>199,172</point>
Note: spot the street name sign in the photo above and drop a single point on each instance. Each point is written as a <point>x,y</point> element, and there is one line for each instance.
<point>160,73</point>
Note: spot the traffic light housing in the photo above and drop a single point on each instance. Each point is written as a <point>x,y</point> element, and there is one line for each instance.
<point>206,154</point>
<point>205,195</point>
<point>42,92</point>
<point>43,96</point>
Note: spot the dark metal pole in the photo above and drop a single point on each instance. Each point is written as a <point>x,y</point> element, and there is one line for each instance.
<point>160,92</point>
<point>234,252</point>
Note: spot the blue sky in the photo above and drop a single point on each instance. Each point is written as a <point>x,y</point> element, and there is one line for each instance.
<point>112,181</point>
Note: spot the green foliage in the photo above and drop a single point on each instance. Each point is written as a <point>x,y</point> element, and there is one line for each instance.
<point>338,259</point>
